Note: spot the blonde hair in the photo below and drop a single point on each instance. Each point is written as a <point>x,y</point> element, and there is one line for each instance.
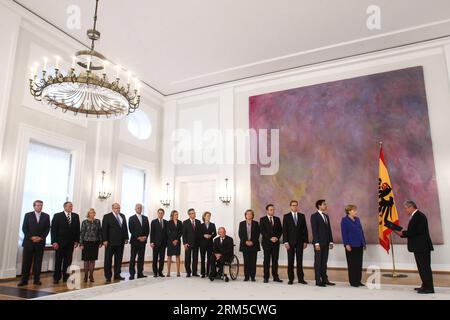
<point>349,208</point>
<point>172,214</point>
<point>91,209</point>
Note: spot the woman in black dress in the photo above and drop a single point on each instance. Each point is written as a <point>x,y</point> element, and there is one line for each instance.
<point>249,235</point>
<point>174,232</point>
<point>90,242</point>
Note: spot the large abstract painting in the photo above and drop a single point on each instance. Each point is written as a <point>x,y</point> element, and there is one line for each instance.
<point>329,138</point>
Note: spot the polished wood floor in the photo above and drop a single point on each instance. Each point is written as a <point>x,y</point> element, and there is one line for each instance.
<point>10,291</point>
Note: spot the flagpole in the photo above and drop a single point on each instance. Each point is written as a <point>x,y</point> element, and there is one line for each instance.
<point>394,273</point>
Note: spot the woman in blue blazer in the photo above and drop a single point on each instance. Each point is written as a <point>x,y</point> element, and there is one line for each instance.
<point>355,243</point>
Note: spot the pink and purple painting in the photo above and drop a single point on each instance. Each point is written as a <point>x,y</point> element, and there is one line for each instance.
<point>329,148</point>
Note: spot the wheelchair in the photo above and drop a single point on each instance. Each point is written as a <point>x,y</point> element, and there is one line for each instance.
<point>233,270</point>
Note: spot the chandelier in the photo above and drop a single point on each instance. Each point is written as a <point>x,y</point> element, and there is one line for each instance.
<point>89,93</point>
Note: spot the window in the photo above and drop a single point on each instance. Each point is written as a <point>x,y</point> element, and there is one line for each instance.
<point>47,178</point>
<point>133,189</point>
<point>139,125</point>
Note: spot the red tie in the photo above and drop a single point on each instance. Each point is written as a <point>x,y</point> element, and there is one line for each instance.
<point>271,221</point>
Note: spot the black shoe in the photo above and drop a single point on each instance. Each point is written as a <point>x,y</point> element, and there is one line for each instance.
<point>418,289</point>
<point>155,276</point>
<point>328,283</point>
<point>246,279</point>
<point>354,285</point>
<point>266,280</point>
<point>203,276</point>
<point>37,282</point>
<point>195,275</point>
<point>302,281</point>
<point>425,291</point>
<point>361,284</point>
<point>253,279</point>
<point>22,283</point>
<point>108,280</point>
<point>291,282</point>
<point>188,275</point>
<point>277,280</point>
<point>161,275</point>
<point>131,278</point>
<point>119,278</point>
<point>320,284</point>
<point>142,276</point>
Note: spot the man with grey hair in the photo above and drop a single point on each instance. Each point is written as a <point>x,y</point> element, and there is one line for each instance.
<point>419,242</point>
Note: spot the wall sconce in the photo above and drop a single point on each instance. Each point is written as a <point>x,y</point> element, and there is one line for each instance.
<point>226,198</point>
<point>103,194</point>
<point>166,203</point>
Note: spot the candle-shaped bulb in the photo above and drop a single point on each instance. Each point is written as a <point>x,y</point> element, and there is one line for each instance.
<point>105,63</point>
<point>88,66</point>
<point>74,59</point>
<point>57,62</point>
<point>117,71</point>
<point>129,77</point>
<point>45,64</point>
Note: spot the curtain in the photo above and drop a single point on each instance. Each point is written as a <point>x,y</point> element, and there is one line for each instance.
<point>47,178</point>
<point>133,189</point>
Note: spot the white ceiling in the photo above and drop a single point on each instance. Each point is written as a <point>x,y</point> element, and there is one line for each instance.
<point>179,45</point>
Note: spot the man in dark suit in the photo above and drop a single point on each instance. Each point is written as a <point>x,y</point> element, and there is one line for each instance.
<point>419,242</point>
<point>271,231</point>
<point>139,230</point>
<point>35,228</point>
<point>323,242</point>
<point>115,236</point>
<point>191,242</point>
<point>223,251</point>
<point>65,233</point>
<point>158,242</point>
<point>295,239</point>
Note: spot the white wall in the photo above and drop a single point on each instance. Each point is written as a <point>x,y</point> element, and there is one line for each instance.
<point>229,103</point>
<point>104,145</point>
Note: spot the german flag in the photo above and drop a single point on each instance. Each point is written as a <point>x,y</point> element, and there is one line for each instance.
<point>387,211</point>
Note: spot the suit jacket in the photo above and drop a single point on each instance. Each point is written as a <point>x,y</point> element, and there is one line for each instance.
<point>321,231</point>
<point>295,234</point>
<point>31,228</point>
<point>254,236</point>
<point>267,231</point>
<point>137,230</point>
<point>226,248</point>
<point>207,243</point>
<point>113,232</point>
<point>158,235</point>
<point>174,232</point>
<point>418,235</point>
<point>62,232</point>
<point>191,236</point>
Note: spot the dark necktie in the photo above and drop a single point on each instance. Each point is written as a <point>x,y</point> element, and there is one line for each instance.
<point>118,220</point>
<point>295,218</point>
<point>271,221</point>
<point>193,224</point>
<point>69,218</point>
<point>161,223</point>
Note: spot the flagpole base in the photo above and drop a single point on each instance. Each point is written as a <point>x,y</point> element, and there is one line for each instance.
<point>395,275</point>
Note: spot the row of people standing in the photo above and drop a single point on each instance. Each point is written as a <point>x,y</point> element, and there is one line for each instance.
<point>66,235</point>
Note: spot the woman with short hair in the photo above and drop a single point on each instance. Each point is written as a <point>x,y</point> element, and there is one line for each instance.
<point>355,243</point>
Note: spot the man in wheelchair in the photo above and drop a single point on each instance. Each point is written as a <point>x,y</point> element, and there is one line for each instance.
<point>223,252</point>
